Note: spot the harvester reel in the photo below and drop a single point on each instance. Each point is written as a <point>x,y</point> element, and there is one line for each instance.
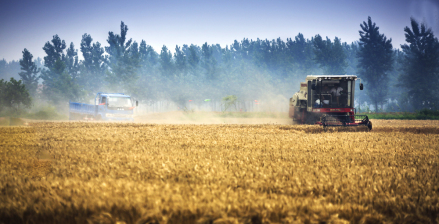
<point>345,121</point>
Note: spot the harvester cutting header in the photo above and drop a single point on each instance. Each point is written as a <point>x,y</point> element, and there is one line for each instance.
<point>327,100</point>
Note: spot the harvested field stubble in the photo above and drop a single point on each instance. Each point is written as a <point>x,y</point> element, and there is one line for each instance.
<point>141,173</point>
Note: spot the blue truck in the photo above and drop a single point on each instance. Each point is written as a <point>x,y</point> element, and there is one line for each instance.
<point>107,107</point>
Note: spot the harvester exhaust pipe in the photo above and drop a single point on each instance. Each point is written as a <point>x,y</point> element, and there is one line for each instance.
<point>345,121</point>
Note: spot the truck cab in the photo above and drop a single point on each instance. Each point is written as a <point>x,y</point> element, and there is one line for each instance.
<point>114,106</point>
<point>107,106</point>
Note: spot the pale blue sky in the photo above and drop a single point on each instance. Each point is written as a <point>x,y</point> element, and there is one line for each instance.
<point>30,24</point>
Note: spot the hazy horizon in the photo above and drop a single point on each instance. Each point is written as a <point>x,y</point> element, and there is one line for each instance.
<point>29,24</point>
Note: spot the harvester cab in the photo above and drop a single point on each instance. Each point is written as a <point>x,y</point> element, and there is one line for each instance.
<point>327,100</point>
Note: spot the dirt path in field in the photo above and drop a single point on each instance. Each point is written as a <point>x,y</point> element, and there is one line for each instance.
<point>179,117</point>
<point>405,123</point>
<point>11,121</point>
<point>385,126</point>
<point>208,118</point>
<point>216,118</point>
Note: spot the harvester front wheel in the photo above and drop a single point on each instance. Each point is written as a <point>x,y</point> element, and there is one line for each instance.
<point>369,125</point>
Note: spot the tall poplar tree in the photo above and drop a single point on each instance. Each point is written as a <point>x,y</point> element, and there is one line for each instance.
<point>420,70</point>
<point>29,72</point>
<point>375,61</point>
<point>3,69</point>
<point>330,56</point>
<point>300,52</point>
<point>149,75</point>
<point>166,65</point>
<point>180,60</point>
<point>193,57</point>
<point>209,62</point>
<point>72,61</point>
<point>124,61</point>
<point>93,67</point>
<point>58,83</point>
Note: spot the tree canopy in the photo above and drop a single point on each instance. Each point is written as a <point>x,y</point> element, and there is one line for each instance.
<point>59,76</point>
<point>248,68</point>
<point>123,60</point>
<point>420,70</point>
<point>29,72</point>
<point>375,61</point>
<point>330,56</point>
<point>14,95</point>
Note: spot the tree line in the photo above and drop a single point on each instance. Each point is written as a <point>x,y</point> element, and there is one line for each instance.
<point>248,69</point>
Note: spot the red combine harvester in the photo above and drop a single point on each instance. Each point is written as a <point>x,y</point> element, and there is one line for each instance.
<point>327,100</point>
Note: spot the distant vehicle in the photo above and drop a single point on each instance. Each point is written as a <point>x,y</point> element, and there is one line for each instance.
<point>107,107</point>
<point>327,100</point>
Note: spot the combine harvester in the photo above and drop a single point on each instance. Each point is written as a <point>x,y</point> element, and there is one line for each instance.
<point>107,107</point>
<point>327,100</point>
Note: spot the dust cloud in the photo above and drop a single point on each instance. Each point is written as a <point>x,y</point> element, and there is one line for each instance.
<point>178,117</point>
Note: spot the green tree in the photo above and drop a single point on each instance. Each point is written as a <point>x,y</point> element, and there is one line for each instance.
<point>29,72</point>
<point>375,61</point>
<point>58,84</point>
<point>209,62</point>
<point>227,60</point>
<point>3,64</point>
<point>229,101</point>
<point>301,53</point>
<point>180,59</point>
<point>93,67</point>
<point>62,87</point>
<point>54,51</point>
<point>330,56</point>
<point>149,74</point>
<point>72,62</point>
<point>217,53</point>
<point>14,95</point>
<point>396,92</point>
<point>237,50</point>
<point>124,61</point>
<point>166,65</point>
<point>420,70</point>
<point>351,51</point>
<point>193,56</point>
<point>148,56</point>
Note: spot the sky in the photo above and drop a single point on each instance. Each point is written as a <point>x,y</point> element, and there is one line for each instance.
<point>30,24</point>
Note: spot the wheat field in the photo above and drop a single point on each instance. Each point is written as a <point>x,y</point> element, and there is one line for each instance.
<point>97,172</point>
